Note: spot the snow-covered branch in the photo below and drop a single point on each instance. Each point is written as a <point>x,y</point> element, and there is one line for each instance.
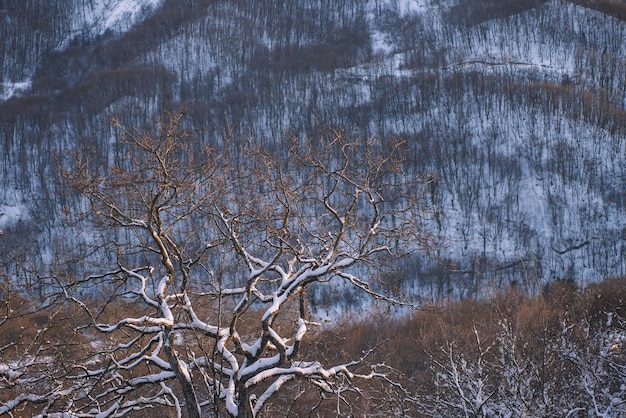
<point>216,314</point>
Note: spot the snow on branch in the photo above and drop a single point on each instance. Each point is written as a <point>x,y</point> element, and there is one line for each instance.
<point>228,245</point>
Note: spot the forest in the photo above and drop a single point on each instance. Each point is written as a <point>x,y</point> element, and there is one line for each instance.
<point>517,109</point>
<point>416,158</point>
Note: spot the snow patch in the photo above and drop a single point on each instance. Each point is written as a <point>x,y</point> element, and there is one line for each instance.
<point>8,90</point>
<point>126,13</point>
<point>117,16</point>
<point>411,6</point>
<point>11,214</point>
<point>381,43</point>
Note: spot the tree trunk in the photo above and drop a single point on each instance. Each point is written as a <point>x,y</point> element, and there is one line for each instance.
<point>244,408</point>
<point>191,401</point>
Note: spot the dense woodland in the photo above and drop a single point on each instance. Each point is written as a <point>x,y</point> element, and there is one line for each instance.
<point>557,354</point>
<point>517,108</point>
<point>509,119</point>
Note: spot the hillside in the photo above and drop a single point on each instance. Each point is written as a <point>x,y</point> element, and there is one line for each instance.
<point>517,108</point>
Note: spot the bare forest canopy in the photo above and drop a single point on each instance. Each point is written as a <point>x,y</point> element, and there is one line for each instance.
<point>516,108</point>
<point>559,353</point>
<point>312,207</point>
<point>205,300</point>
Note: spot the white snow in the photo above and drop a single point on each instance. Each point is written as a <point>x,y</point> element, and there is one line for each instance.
<point>125,13</point>
<point>9,89</point>
<point>411,6</point>
<point>11,214</point>
<point>118,16</point>
<point>382,42</point>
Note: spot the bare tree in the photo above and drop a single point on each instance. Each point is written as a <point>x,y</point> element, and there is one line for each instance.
<point>560,358</point>
<point>215,252</point>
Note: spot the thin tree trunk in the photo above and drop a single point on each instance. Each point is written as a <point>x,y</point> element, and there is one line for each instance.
<point>191,401</point>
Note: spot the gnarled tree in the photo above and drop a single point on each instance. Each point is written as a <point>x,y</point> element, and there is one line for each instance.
<point>215,252</point>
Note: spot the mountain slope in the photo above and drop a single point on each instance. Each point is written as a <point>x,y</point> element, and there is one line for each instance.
<point>518,108</point>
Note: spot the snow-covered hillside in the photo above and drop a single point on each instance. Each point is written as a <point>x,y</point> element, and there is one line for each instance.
<point>518,109</point>
<point>94,18</point>
<point>78,21</point>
